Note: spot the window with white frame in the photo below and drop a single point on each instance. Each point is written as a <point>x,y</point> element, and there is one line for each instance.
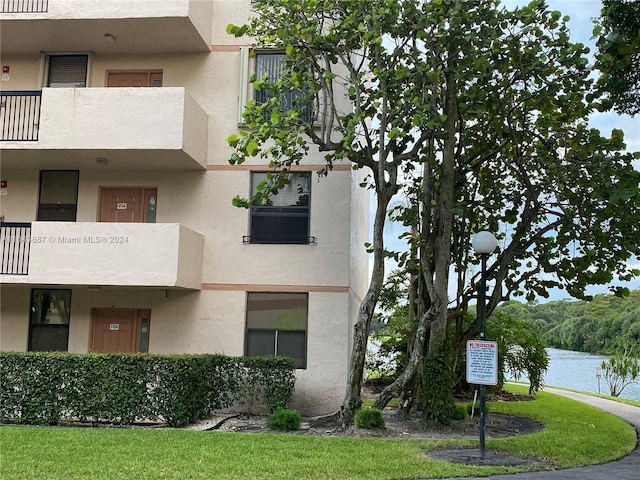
<point>277,325</point>
<point>285,219</point>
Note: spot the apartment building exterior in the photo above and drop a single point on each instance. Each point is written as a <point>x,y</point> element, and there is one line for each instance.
<point>118,231</point>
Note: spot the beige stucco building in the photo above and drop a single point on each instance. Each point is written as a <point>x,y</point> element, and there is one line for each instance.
<point>118,230</point>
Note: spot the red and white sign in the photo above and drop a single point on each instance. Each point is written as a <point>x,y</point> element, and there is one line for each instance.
<point>482,362</point>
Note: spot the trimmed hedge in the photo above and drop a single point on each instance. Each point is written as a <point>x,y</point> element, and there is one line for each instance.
<point>45,388</point>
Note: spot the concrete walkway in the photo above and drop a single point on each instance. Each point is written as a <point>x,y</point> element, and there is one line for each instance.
<point>627,468</point>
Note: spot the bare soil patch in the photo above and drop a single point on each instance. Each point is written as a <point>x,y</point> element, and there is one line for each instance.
<point>415,426</point>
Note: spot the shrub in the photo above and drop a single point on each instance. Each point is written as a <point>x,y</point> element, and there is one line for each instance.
<point>622,369</point>
<point>369,418</point>
<point>270,380</point>
<point>460,412</point>
<point>49,387</point>
<point>284,419</point>
<point>475,408</point>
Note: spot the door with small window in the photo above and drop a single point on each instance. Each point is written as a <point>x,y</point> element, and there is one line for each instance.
<point>120,330</point>
<point>128,204</point>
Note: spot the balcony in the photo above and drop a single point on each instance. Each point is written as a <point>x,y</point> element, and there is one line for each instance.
<point>24,6</point>
<point>19,115</point>
<point>158,255</point>
<point>32,26</point>
<point>72,127</point>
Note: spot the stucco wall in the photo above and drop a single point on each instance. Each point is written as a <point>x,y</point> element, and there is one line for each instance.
<point>14,321</point>
<point>202,322</point>
<point>23,72</point>
<point>333,271</point>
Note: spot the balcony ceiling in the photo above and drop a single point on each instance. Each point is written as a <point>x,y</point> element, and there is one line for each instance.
<point>139,35</point>
<point>149,159</point>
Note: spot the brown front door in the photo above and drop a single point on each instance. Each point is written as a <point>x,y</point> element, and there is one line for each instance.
<point>119,330</point>
<point>134,79</point>
<point>132,205</point>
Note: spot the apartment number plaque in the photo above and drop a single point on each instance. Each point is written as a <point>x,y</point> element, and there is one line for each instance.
<point>121,206</point>
<point>114,326</point>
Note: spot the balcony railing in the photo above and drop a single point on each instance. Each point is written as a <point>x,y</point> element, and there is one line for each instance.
<point>15,246</point>
<point>24,6</point>
<point>19,115</point>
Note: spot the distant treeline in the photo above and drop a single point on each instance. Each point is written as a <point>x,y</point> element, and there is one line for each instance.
<point>603,325</point>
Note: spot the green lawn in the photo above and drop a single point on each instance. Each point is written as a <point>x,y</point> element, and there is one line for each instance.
<point>574,434</point>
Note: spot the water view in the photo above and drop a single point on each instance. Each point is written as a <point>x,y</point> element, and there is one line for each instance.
<point>577,370</point>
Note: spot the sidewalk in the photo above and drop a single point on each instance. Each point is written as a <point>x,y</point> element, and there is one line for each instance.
<point>627,468</point>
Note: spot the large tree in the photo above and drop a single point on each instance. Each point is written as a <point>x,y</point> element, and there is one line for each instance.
<point>619,53</point>
<point>477,115</point>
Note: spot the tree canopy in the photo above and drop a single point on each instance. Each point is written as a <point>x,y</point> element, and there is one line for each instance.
<point>476,116</point>
<point>604,325</point>
<point>619,53</point>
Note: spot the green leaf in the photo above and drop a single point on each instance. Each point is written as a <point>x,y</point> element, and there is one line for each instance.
<point>252,148</point>
<point>237,31</point>
<point>233,140</point>
<point>240,202</point>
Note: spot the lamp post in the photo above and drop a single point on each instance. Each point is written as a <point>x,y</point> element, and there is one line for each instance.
<point>484,243</point>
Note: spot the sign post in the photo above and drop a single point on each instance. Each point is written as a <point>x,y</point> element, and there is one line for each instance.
<point>482,369</point>
<point>482,356</point>
<point>482,362</point>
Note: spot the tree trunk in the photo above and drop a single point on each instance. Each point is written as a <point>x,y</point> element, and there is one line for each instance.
<point>444,219</point>
<point>415,360</point>
<point>352,399</point>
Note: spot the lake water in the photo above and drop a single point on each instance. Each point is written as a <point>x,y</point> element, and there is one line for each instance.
<point>577,370</point>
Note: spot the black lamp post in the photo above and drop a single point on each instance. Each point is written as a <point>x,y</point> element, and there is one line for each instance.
<point>483,243</point>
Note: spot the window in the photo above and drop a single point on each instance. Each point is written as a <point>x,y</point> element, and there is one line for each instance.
<point>277,325</point>
<point>269,64</point>
<point>134,78</point>
<point>286,218</point>
<point>49,320</point>
<point>58,199</point>
<point>143,334</point>
<point>67,71</point>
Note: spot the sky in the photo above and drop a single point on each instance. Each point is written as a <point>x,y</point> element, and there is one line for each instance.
<point>581,13</point>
